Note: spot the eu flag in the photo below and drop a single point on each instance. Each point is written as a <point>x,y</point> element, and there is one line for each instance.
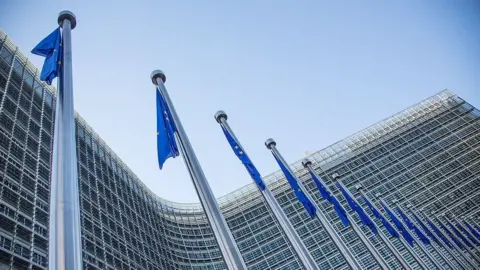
<point>50,48</point>
<point>357,208</point>
<point>447,231</point>
<point>326,195</point>
<point>438,233</point>
<point>311,210</point>
<point>414,228</point>
<point>244,159</point>
<point>166,145</point>
<point>378,215</point>
<point>459,235</point>
<point>473,231</point>
<point>465,232</point>
<point>406,235</point>
<point>426,230</point>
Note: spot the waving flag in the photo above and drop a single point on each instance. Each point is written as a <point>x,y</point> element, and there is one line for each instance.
<point>326,195</point>
<point>252,170</point>
<point>366,220</point>
<point>311,209</point>
<point>50,48</point>
<point>406,235</point>
<point>166,144</point>
<point>378,215</point>
<point>414,228</point>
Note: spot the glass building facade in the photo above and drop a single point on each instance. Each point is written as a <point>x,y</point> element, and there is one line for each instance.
<point>427,155</point>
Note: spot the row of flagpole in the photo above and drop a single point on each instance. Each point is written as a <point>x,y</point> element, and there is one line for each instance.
<point>461,242</point>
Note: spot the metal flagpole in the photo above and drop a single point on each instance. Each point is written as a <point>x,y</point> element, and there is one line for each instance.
<point>376,255</point>
<point>65,246</point>
<point>469,234</point>
<point>430,257</point>
<point>295,240</point>
<point>228,248</point>
<point>434,243</point>
<point>271,145</point>
<point>461,242</point>
<point>384,238</point>
<point>404,242</point>
<point>467,259</point>
<point>459,221</point>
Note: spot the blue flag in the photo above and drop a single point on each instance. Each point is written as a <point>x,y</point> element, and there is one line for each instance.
<point>406,235</point>
<point>357,208</point>
<point>465,232</point>
<point>438,233</point>
<point>166,145</point>
<point>50,48</point>
<point>447,231</point>
<point>477,228</point>
<point>378,215</point>
<point>326,195</point>
<point>459,235</point>
<point>244,159</point>
<point>414,228</point>
<point>473,231</point>
<point>311,210</point>
<point>426,230</point>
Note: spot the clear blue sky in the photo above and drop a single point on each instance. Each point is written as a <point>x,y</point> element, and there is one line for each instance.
<point>307,73</point>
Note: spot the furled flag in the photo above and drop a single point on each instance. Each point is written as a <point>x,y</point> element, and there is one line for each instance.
<point>447,231</point>
<point>50,48</point>
<point>459,235</point>
<point>244,159</point>
<point>311,210</point>
<point>438,232</point>
<point>378,215</point>
<point>166,144</point>
<point>406,235</point>
<point>326,195</point>
<point>473,231</point>
<point>366,220</point>
<point>470,237</point>
<point>414,228</point>
<point>425,229</point>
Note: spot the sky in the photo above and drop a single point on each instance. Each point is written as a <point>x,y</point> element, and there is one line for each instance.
<point>306,73</point>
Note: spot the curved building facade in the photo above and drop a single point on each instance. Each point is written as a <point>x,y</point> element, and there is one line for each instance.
<point>427,155</point>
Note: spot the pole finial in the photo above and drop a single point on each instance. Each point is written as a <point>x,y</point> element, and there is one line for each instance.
<point>378,195</point>
<point>219,115</point>
<point>67,14</point>
<point>358,186</point>
<point>306,162</point>
<point>158,73</point>
<point>269,143</point>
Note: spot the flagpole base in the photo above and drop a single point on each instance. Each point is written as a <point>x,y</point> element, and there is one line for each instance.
<point>269,143</point>
<point>219,115</point>
<point>67,14</point>
<point>158,74</point>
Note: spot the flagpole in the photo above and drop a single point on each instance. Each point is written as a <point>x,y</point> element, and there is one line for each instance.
<point>469,234</point>
<point>294,239</point>
<point>228,248</point>
<point>271,145</point>
<point>407,245</point>
<point>64,245</point>
<point>452,243</point>
<point>420,244</point>
<point>433,242</point>
<point>384,238</point>
<point>378,258</point>
<point>461,242</point>
<point>459,221</point>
